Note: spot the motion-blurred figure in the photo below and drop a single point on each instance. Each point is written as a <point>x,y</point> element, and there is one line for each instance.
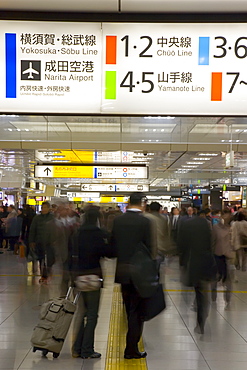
<point>174,222</point>
<point>197,263</point>
<point>39,241</point>
<point>11,227</point>
<point>160,233</point>
<point>239,240</point>
<point>128,230</point>
<point>222,249</point>
<point>92,246</point>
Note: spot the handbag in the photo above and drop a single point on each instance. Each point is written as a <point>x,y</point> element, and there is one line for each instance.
<point>88,283</point>
<point>153,305</point>
<point>144,272</point>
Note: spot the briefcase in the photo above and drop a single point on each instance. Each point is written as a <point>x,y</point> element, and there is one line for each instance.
<point>144,271</point>
<point>152,306</point>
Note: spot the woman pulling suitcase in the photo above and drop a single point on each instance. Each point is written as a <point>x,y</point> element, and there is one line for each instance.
<point>92,246</point>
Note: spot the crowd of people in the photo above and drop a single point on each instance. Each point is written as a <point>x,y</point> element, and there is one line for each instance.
<point>210,246</point>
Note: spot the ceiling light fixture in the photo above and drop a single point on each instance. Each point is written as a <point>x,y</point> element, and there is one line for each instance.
<point>195,162</point>
<point>209,154</point>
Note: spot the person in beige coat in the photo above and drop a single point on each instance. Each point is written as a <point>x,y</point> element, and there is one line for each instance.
<point>239,239</point>
<point>160,232</point>
<point>223,253</point>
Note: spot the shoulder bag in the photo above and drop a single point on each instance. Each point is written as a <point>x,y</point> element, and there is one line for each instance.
<point>144,271</point>
<point>88,283</point>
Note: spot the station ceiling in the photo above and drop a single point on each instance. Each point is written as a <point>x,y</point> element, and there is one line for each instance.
<point>126,6</point>
<point>178,150</point>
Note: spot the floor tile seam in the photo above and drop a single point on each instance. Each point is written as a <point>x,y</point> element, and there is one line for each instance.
<point>231,326</point>
<point>22,303</point>
<point>190,333</point>
<point>235,295</point>
<point>24,358</point>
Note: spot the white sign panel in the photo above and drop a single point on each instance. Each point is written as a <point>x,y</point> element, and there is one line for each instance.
<point>127,172</point>
<point>175,68</point>
<point>83,195</point>
<point>98,187</point>
<point>132,187</point>
<point>52,67</point>
<point>114,187</point>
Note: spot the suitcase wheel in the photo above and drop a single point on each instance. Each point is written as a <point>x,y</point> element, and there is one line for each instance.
<point>55,354</point>
<point>35,349</point>
<point>44,352</point>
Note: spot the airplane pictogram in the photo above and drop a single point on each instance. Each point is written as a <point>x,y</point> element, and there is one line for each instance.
<point>30,70</point>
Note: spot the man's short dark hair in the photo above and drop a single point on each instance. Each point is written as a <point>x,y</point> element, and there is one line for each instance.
<point>155,206</point>
<point>137,198</point>
<point>45,203</point>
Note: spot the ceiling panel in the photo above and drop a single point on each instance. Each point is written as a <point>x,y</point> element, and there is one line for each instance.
<point>162,142</point>
<point>135,6</point>
<point>183,6</point>
<point>61,5</point>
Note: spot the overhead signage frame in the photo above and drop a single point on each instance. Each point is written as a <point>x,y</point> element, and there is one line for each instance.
<point>52,67</point>
<point>115,187</point>
<point>123,68</point>
<point>91,172</point>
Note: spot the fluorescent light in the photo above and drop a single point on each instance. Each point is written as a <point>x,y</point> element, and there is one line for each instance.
<point>209,154</point>
<point>159,117</point>
<point>201,159</point>
<point>189,166</point>
<point>195,162</point>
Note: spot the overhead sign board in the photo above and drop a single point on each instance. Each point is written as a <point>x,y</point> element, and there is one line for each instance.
<point>225,187</point>
<point>199,191</point>
<point>50,67</point>
<point>230,159</point>
<point>86,156</point>
<point>123,68</point>
<point>114,187</point>
<point>83,195</point>
<point>91,172</point>
<point>175,68</point>
<point>132,187</point>
<point>240,181</point>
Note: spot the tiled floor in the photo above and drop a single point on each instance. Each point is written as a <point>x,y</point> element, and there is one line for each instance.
<point>169,339</point>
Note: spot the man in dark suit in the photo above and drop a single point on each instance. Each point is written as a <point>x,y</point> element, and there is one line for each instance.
<point>128,231</point>
<point>174,222</point>
<point>197,262</point>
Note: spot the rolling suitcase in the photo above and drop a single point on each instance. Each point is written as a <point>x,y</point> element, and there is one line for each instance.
<point>55,319</point>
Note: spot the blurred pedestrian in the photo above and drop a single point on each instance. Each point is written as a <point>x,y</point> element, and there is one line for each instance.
<point>223,252</point>
<point>239,240</point>
<point>197,263</point>
<point>128,231</point>
<point>92,247</point>
<point>39,241</point>
<point>160,232</point>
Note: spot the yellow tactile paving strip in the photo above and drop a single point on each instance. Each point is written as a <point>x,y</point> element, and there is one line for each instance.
<point>117,336</point>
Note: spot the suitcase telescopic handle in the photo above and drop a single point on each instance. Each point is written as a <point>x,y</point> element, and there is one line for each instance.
<point>76,298</point>
<point>69,294</point>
